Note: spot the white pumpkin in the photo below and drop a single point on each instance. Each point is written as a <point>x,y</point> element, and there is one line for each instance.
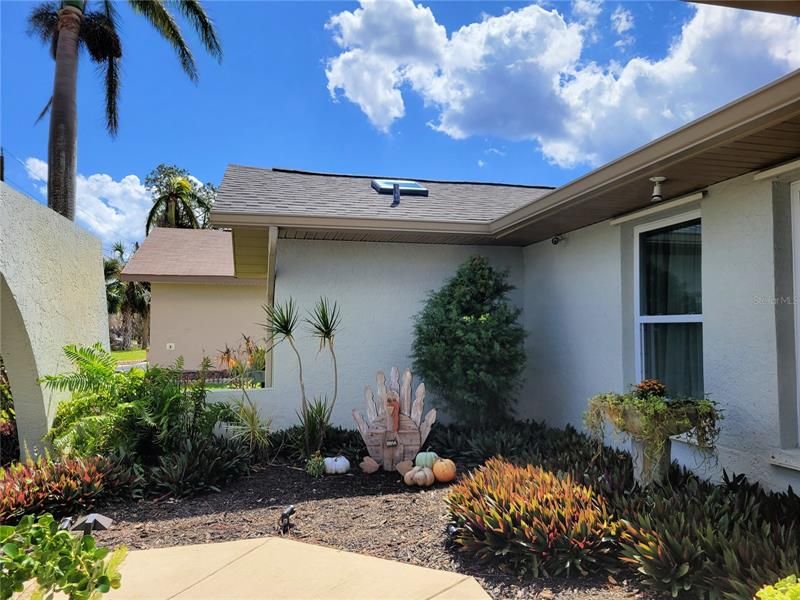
<point>336,465</point>
<point>341,464</point>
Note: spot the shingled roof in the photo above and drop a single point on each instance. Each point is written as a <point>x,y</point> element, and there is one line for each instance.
<point>285,192</point>
<point>183,253</point>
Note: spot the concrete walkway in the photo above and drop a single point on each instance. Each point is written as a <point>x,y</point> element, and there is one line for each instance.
<point>278,568</point>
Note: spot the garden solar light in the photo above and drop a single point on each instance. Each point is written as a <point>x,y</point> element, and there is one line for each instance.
<point>92,522</point>
<point>284,522</point>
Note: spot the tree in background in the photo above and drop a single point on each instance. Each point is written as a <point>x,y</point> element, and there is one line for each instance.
<point>129,299</point>
<point>66,27</point>
<point>179,200</point>
<point>468,346</point>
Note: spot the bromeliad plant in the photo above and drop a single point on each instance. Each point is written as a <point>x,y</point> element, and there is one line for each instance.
<point>535,521</point>
<point>323,322</point>
<point>650,417</point>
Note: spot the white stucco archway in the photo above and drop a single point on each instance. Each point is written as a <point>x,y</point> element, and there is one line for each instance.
<point>52,293</point>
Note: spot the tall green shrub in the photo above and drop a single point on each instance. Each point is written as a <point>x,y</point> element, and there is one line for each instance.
<point>468,345</point>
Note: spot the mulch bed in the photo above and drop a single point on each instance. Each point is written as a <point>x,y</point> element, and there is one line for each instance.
<point>375,515</point>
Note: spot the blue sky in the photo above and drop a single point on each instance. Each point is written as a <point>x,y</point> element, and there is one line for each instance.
<point>496,91</point>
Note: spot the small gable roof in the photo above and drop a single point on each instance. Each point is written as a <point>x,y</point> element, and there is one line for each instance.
<point>202,254</point>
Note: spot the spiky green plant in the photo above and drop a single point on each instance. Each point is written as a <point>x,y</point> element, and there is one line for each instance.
<point>281,325</point>
<point>324,321</point>
<point>249,428</point>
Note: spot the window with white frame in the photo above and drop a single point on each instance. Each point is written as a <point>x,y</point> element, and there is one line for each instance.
<point>669,303</point>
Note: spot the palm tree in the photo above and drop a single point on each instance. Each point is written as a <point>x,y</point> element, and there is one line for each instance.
<point>128,298</point>
<point>177,205</point>
<point>66,26</point>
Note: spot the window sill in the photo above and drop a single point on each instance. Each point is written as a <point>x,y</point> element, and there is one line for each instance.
<point>787,458</point>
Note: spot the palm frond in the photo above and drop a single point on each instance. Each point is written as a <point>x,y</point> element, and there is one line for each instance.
<point>159,17</point>
<point>45,110</point>
<point>43,22</point>
<point>99,35</point>
<point>196,15</point>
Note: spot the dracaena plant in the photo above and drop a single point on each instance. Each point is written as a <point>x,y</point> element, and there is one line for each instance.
<point>323,321</point>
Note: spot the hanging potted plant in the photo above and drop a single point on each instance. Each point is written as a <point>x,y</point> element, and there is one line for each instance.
<point>650,418</point>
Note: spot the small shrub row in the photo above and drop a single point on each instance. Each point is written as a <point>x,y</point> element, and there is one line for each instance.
<point>57,560</point>
<point>536,521</point>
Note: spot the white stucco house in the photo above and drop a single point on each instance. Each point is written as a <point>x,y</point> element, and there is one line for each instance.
<point>697,288</point>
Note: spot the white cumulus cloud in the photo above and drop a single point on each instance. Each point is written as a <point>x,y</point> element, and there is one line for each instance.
<point>524,75</point>
<point>113,210</point>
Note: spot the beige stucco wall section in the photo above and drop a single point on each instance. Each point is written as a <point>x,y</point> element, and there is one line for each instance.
<point>379,287</point>
<point>52,293</point>
<point>579,314</point>
<point>201,319</point>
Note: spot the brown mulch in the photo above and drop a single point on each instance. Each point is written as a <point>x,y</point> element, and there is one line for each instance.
<point>375,515</point>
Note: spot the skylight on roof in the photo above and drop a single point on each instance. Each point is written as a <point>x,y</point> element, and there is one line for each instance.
<point>407,188</point>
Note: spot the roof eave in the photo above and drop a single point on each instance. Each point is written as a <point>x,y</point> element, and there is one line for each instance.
<point>242,219</point>
<point>767,105</point>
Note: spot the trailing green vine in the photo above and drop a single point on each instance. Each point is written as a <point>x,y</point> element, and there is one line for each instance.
<point>649,416</point>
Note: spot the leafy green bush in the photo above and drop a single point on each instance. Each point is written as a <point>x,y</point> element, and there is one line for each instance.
<point>197,467</point>
<point>159,431</point>
<point>468,345</point>
<point>787,588</point>
<point>57,560</point>
<point>537,522</point>
<point>43,486</point>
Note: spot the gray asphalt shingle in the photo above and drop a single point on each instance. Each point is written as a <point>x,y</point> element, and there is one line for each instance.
<point>253,190</point>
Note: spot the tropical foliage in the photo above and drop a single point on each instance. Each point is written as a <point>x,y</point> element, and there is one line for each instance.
<point>685,537</point>
<point>147,422</point>
<point>64,488</point>
<point>179,200</point>
<point>58,561</point>
<point>68,26</point>
<point>129,299</point>
<point>468,344</point>
<point>537,521</point>
<point>787,588</point>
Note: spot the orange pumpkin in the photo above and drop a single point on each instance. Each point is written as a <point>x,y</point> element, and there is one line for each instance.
<point>444,470</point>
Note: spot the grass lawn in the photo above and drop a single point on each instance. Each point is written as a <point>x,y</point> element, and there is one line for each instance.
<point>129,355</point>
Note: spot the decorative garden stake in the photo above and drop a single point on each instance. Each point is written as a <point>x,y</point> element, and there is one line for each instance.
<point>394,429</point>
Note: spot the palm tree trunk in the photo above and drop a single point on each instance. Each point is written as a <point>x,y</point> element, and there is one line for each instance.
<point>62,151</point>
<point>127,328</point>
<point>145,341</point>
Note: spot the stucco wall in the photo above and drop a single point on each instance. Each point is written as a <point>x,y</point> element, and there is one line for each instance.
<point>201,319</point>
<point>572,315</point>
<point>379,288</point>
<point>52,293</point>
<point>579,312</point>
